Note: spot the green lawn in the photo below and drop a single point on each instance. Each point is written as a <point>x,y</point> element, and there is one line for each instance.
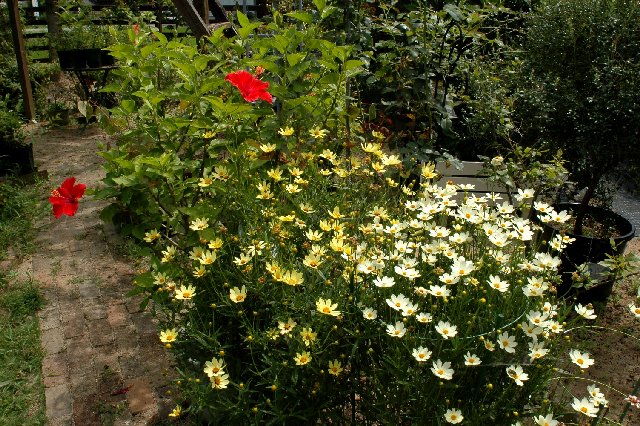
<point>21,388</point>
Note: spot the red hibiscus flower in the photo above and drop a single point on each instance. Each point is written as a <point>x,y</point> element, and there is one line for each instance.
<point>250,87</point>
<point>65,199</point>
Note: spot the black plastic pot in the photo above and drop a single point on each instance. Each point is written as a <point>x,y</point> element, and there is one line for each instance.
<point>81,59</point>
<point>591,250</point>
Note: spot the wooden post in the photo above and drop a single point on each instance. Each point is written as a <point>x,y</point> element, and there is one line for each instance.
<point>21,57</point>
<point>53,29</point>
<point>192,18</point>
<point>202,6</point>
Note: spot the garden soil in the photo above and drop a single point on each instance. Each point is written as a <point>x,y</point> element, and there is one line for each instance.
<point>104,364</point>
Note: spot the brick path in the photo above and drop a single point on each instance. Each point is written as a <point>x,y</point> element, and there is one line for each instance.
<point>96,341</point>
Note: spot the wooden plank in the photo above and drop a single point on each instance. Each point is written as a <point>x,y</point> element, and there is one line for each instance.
<point>469,168</point>
<point>481,184</point>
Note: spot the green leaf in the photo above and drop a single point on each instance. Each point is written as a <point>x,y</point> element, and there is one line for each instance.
<point>453,11</point>
<point>242,19</point>
<point>294,58</point>
<point>305,17</point>
<point>107,214</point>
<point>320,4</point>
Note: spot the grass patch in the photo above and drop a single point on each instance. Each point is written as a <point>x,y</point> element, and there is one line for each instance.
<point>21,388</point>
<point>19,207</point>
<point>22,400</point>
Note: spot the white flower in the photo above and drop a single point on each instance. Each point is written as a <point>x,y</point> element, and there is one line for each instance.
<point>384,282</point>
<point>508,343</point>
<point>497,284</point>
<point>369,314</point>
<point>597,397</point>
<point>396,330</point>
<point>421,354</point>
<point>442,370</point>
<point>424,318</point>
<point>585,406</point>
<point>453,416</point>
<point>517,374</point>
<point>546,420</point>
<point>537,350</point>
<point>524,194</point>
<point>635,310</point>
<point>446,330</point>
<point>581,359</point>
<point>470,359</point>
<point>439,291</point>
<point>585,311</point>
<point>398,302</point>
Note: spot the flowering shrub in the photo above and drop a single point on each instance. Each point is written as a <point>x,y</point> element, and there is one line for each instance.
<point>299,273</point>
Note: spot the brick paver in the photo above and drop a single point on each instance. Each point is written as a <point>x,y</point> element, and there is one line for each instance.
<point>95,339</point>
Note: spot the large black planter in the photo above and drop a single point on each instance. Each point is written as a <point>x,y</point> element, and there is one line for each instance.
<point>16,158</point>
<point>591,250</point>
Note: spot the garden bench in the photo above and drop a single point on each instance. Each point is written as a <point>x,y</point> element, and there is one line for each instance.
<point>471,173</point>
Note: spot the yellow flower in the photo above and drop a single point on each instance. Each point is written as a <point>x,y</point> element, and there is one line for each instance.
<point>390,160</point>
<point>335,213</point>
<point>199,224</point>
<point>168,335</point>
<point>275,174</point>
<point>318,133</point>
<point>378,167</point>
<point>208,257</point>
<point>151,236</point>
<point>292,188</point>
<point>292,278</point>
<point>324,306</point>
<point>268,147</point>
<point>325,225</point>
<point>208,135</point>
<point>305,208</point>
<point>220,382</point>
<point>312,261</point>
<point>296,172</point>
<point>286,327</point>
<point>302,358</point>
<point>272,268</point>
<point>168,254</point>
<point>287,131</point>
<point>214,367</point>
<point>238,295</point>
<point>429,171</point>
<point>372,149</point>
<point>377,135</point>
<point>335,367</point>
<point>215,244</point>
<point>308,336</point>
<point>199,272</point>
<point>176,411</point>
<point>329,155</point>
<point>337,244</point>
<point>222,173</point>
<point>185,293</point>
<point>205,181</point>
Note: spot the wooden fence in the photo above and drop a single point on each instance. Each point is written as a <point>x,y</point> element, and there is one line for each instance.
<point>167,20</point>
